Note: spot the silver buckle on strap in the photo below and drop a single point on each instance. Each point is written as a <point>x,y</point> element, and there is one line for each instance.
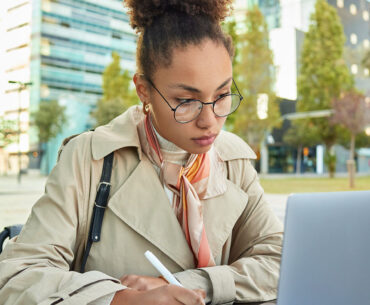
<point>100,183</point>
<point>103,182</point>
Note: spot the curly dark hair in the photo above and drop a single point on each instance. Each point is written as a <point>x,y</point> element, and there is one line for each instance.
<point>165,24</point>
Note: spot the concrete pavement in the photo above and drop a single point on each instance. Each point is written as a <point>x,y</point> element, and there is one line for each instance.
<point>16,200</point>
<point>278,204</point>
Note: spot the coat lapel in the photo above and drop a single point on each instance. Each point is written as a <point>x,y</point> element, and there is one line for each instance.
<point>142,204</point>
<point>220,215</point>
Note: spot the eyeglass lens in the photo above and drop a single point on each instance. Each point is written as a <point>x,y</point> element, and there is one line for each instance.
<point>224,106</point>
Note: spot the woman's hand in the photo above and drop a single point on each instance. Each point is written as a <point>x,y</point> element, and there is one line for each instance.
<point>142,283</point>
<point>164,295</point>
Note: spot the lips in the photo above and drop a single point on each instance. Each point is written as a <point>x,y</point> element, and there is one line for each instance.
<point>205,140</point>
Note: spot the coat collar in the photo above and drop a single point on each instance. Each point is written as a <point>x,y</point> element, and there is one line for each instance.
<point>231,147</point>
<point>122,132</point>
<point>119,133</point>
<point>148,212</point>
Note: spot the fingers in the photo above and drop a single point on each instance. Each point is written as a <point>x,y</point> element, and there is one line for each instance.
<point>134,282</point>
<point>142,283</point>
<point>189,297</point>
<point>201,292</point>
<point>163,294</point>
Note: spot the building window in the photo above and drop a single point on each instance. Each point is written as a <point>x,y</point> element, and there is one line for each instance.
<point>353,9</point>
<point>354,69</point>
<point>365,15</point>
<point>353,38</point>
<point>340,3</point>
<point>366,43</point>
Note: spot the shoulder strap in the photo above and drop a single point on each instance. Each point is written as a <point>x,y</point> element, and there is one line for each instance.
<point>100,204</point>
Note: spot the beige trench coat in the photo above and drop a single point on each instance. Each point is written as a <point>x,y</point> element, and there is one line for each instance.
<point>41,265</point>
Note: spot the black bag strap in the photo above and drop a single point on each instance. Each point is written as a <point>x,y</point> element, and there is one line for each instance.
<point>100,204</point>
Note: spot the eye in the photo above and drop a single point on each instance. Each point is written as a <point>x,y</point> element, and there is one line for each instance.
<point>223,95</point>
<point>184,100</point>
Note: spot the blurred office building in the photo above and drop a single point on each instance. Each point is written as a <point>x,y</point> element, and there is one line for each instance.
<point>57,50</point>
<point>288,20</point>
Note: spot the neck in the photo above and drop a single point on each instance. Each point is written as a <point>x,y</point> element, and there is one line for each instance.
<point>170,151</point>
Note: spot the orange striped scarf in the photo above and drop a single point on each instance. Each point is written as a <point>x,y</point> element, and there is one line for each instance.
<point>189,209</point>
<point>190,184</point>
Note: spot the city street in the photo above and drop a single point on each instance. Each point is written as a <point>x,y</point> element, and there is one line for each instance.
<point>16,200</point>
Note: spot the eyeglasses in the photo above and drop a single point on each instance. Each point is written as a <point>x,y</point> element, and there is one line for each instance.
<point>189,110</point>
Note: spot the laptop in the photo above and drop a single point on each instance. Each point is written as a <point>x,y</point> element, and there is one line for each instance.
<point>326,250</point>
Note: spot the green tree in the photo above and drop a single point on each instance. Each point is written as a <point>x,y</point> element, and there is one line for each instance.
<point>352,112</point>
<point>362,139</point>
<point>323,74</point>
<point>366,60</point>
<point>296,136</point>
<point>117,93</point>
<point>49,120</point>
<point>8,132</point>
<point>254,75</point>
<point>230,27</point>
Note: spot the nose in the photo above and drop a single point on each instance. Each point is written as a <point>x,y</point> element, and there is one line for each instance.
<point>207,117</point>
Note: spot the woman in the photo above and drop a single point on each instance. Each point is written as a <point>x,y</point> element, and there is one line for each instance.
<point>181,187</point>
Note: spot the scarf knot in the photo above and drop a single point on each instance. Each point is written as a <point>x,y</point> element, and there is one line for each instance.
<point>200,178</point>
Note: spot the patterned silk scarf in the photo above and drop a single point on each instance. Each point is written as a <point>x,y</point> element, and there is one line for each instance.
<point>200,178</point>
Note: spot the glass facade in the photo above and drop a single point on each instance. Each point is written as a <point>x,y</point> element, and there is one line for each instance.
<point>356,25</point>
<point>75,41</point>
<point>62,47</point>
<point>270,9</point>
<point>77,38</point>
<point>15,33</point>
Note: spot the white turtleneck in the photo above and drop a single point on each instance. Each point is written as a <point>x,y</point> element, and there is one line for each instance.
<point>172,153</point>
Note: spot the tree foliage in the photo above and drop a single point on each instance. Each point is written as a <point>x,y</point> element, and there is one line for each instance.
<point>8,132</point>
<point>254,75</point>
<point>49,120</point>
<point>297,137</point>
<point>230,27</point>
<point>118,95</point>
<point>362,139</point>
<point>352,112</point>
<point>366,60</point>
<point>323,73</point>
<point>323,76</point>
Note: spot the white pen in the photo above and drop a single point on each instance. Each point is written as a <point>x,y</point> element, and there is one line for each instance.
<point>161,268</point>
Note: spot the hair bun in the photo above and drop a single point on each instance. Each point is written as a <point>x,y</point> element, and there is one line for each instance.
<point>143,12</point>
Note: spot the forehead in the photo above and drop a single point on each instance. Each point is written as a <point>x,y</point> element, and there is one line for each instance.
<point>205,64</point>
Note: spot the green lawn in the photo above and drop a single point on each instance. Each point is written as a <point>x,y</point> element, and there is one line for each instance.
<point>306,185</point>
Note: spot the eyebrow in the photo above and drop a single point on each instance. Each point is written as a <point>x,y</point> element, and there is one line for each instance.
<point>196,90</point>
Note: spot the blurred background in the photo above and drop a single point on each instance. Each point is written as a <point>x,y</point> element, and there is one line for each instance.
<point>303,67</point>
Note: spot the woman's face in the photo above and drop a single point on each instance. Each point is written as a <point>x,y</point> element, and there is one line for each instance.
<point>202,72</point>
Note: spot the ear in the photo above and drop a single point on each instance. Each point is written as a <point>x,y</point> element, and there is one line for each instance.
<point>142,89</point>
